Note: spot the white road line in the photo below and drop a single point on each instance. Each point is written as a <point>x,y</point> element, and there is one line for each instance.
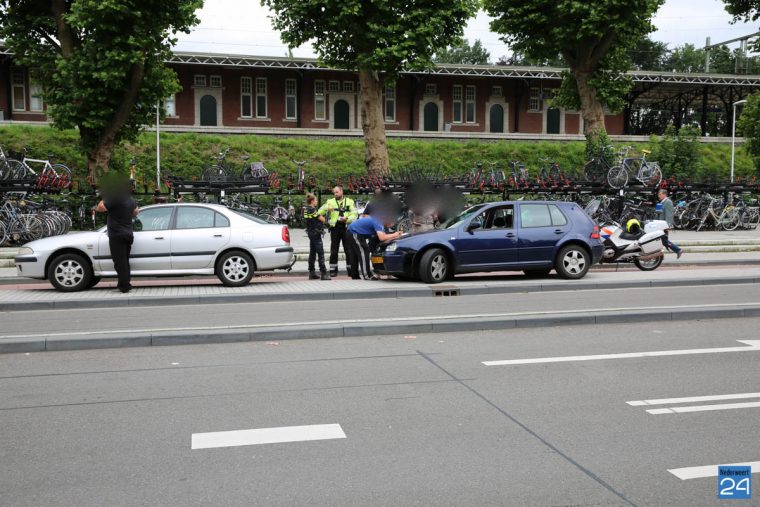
<point>703,408</point>
<point>716,397</point>
<point>266,436</point>
<point>754,346</point>
<point>710,470</point>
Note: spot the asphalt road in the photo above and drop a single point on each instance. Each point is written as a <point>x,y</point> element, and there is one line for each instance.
<point>425,421</point>
<point>298,313</point>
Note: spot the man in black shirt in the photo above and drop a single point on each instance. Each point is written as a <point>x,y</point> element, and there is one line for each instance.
<point>121,207</point>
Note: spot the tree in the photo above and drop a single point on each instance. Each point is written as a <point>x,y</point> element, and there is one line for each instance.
<point>379,39</point>
<point>647,54</point>
<point>464,54</point>
<point>593,37</point>
<point>748,125</point>
<point>101,62</point>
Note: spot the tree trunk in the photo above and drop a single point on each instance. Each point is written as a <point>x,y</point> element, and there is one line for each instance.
<point>373,125</point>
<point>99,157</point>
<point>591,108</point>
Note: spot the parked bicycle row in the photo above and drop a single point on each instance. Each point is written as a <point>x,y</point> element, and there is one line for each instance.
<point>47,175</point>
<point>700,212</point>
<point>23,220</point>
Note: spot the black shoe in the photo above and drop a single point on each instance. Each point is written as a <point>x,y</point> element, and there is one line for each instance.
<point>124,290</point>
<point>333,273</point>
<point>325,276</point>
<point>313,276</point>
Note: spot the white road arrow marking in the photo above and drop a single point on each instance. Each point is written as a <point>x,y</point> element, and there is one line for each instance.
<point>710,470</point>
<point>266,436</point>
<point>754,346</point>
<point>703,408</point>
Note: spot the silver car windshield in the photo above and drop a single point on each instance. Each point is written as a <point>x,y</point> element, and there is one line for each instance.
<point>466,214</point>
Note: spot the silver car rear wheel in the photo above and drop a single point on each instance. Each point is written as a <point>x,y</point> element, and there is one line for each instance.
<point>235,269</point>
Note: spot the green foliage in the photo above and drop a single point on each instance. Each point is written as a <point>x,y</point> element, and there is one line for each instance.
<point>101,61</point>
<point>679,152</point>
<point>748,125</point>
<point>464,54</point>
<point>593,37</point>
<point>383,35</point>
<point>185,154</point>
<point>647,54</point>
<point>600,146</point>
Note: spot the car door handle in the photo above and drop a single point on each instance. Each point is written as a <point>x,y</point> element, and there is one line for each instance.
<point>510,235</point>
<point>217,235</point>
<point>558,231</point>
<point>159,237</point>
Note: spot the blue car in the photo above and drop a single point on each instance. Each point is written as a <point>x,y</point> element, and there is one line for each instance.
<point>530,236</point>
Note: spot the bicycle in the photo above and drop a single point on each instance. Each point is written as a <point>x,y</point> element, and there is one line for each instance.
<point>648,173</point>
<point>219,172</point>
<point>553,174</point>
<point>595,170</point>
<point>52,176</point>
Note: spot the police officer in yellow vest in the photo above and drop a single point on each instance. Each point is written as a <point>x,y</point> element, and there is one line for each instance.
<point>340,211</point>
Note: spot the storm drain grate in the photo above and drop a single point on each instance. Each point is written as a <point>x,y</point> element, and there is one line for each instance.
<point>442,291</point>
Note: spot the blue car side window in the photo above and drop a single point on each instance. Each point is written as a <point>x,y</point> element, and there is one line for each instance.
<point>535,215</point>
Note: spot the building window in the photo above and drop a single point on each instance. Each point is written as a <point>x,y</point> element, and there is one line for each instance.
<point>170,106</point>
<point>215,81</point>
<point>35,93</point>
<point>319,100</point>
<point>470,104</point>
<point>348,86</point>
<point>18,90</point>
<point>290,99</point>
<point>199,80</point>
<point>496,91</point>
<point>390,103</point>
<point>431,89</point>
<point>534,103</point>
<point>457,105</point>
<point>246,100</point>
<point>334,86</point>
<point>261,97</point>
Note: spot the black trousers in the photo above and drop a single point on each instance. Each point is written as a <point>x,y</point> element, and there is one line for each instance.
<point>316,251</point>
<point>121,246</point>
<point>339,234</point>
<point>361,251</point>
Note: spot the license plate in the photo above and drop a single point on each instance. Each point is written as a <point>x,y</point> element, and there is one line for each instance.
<point>377,260</point>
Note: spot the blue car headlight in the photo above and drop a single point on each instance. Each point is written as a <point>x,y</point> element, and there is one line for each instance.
<point>391,248</point>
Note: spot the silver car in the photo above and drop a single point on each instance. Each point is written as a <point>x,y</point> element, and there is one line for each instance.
<point>169,239</point>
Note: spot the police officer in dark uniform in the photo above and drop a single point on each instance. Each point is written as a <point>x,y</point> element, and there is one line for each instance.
<point>121,207</point>
<point>314,228</point>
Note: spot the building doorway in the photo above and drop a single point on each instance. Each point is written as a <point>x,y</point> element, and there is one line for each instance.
<point>341,115</point>
<point>552,120</point>
<point>431,117</point>
<point>497,118</point>
<point>208,111</point>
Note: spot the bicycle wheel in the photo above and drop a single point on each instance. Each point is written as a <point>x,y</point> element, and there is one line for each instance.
<point>17,170</point>
<point>754,220</point>
<point>555,172</point>
<point>593,170</point>
<point>651,175</point>
<point>729,219</point>
<point>3,233</point>
<point>617,176</point>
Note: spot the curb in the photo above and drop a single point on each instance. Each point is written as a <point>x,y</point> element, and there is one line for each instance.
<point>361,329</point>
<point>419,290</point>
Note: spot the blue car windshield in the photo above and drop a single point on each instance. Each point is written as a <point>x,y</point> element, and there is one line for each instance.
<point>466,214</point>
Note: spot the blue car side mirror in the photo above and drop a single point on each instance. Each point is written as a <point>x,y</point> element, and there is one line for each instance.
<point>474,225</point>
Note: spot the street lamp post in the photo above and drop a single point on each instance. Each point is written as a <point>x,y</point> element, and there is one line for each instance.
<point>733,134</point>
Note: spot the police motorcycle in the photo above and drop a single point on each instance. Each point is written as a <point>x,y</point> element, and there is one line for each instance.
<point>644,247</point>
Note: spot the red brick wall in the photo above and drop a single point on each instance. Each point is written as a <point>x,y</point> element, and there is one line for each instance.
<point>572,123</point>
<point>4,93</point>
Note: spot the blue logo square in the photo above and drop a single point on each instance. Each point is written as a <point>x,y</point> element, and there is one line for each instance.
<point>734,482</point>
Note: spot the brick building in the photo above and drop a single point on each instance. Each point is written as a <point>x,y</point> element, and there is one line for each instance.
<point>266,93</point>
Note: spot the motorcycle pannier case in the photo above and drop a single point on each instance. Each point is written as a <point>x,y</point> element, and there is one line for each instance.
<point>651,243</point>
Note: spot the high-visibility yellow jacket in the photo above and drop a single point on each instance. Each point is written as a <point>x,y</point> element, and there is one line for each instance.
<point>333,209</point>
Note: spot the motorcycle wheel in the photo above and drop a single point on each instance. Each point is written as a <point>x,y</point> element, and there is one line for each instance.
<point>649,265</point>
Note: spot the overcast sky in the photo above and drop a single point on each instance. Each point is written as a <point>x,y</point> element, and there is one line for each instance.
<point>243,27</point>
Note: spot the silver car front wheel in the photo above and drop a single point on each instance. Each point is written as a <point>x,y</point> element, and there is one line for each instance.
<point>70,273</point>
